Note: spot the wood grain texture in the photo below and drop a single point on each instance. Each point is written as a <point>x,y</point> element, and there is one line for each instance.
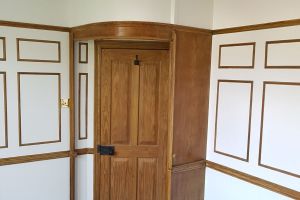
<point>192,76</point>
<point>34,26</point>
<point>254,180</point>
<point>131,30</point>
<point>128,94</point>
<point>85,151</point>
<point>278,24</point>
<point>33,158</point>
<point>188,181</point>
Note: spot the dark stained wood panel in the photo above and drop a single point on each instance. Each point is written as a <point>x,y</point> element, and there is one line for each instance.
<point>192,75</point>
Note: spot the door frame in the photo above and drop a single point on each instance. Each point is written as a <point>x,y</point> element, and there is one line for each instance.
<point>99,45</point>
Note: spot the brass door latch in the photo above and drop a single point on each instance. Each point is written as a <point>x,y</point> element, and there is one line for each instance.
<point>65,103</point>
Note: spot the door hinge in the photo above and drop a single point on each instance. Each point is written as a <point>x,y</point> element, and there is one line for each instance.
<point>65,103</point>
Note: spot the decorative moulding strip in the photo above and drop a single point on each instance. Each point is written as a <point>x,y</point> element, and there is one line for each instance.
<point>86,59</point>
<point>249,122</point>
<point>188,167</point>
<point>253,44</point>
<point>262,127</point>
<point>58,60</point>
<point>5,110</point>
<point>20,109</point>
<point>86,106</point>
<point>85,151</point>
<point>254,180</point>
<point>33,158</point>
<point>34,26</point>
<point>3,58</point>
<point>278,24</point>
<point>279,66</point>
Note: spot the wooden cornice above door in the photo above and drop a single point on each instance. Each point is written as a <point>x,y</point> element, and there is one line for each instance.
<point>131,30</point>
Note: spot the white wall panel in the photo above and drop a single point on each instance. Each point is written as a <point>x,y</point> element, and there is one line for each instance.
<point>283,54</point>
<point>83,105</point>
<point>259,74</point>
<point>37,88</point>
<point>38,50</point>
<point>45,180</point>
<point>237,55</point>
<point>39,107</point>
<point>2,49</point>
<point>84,177</point>
<point>280,134</point>
<point>233,118</point>
<point>3,111</point>
<point>219,186</point>
<point>88,69</point>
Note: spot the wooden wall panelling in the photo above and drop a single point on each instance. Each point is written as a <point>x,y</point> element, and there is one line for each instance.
<point>238,53</point>
<point>273,131</point>
<point>2,49</point>
<point>188,181</point>
<point>83,108</point>
<point>40,47</point>
<point>34,26</point>
<point>192,76</point>
<point>278,24</point>
<point>233,119</point>
<point>83,52</point>
<point>38,100</point>
<point>3,113</point>
<point>286,58</point>
<point>33,158</point>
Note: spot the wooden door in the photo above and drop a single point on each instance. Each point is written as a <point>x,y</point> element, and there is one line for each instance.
<point>134,119</point>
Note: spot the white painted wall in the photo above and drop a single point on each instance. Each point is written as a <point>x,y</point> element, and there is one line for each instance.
<point>195,13</point>
<point>50,12</point>
<point>223,187</point>
<point>231,13</point>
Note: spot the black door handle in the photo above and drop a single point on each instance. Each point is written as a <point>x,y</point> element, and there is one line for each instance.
<point>106,150</point>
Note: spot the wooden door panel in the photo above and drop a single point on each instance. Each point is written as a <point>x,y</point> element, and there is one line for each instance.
<point>148,103</point>
<point>123,179</point>
<point>147,179</point>
<point>119,133</point>
<point>134,119</point>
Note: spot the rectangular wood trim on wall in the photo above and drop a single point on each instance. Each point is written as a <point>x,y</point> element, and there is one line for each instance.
<point>249,122</point>
<point>287,66</point>
<point>262,127</point>
<point>20,58</point>
<point>19,108</point>
<point>86,106</point>
<point>3,58</point>
<point>253,44</point>
<point>5,111</point>
<point>81,59</point>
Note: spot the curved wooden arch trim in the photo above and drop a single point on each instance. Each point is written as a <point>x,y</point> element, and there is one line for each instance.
<point>131,30</point>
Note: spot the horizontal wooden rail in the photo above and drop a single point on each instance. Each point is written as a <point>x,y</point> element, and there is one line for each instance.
<point>84,151</point>
<point>279,24</point>
<point>34,26</point>
<point>188,167</point>
<point>34,158</point>
<point>254,180</point>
